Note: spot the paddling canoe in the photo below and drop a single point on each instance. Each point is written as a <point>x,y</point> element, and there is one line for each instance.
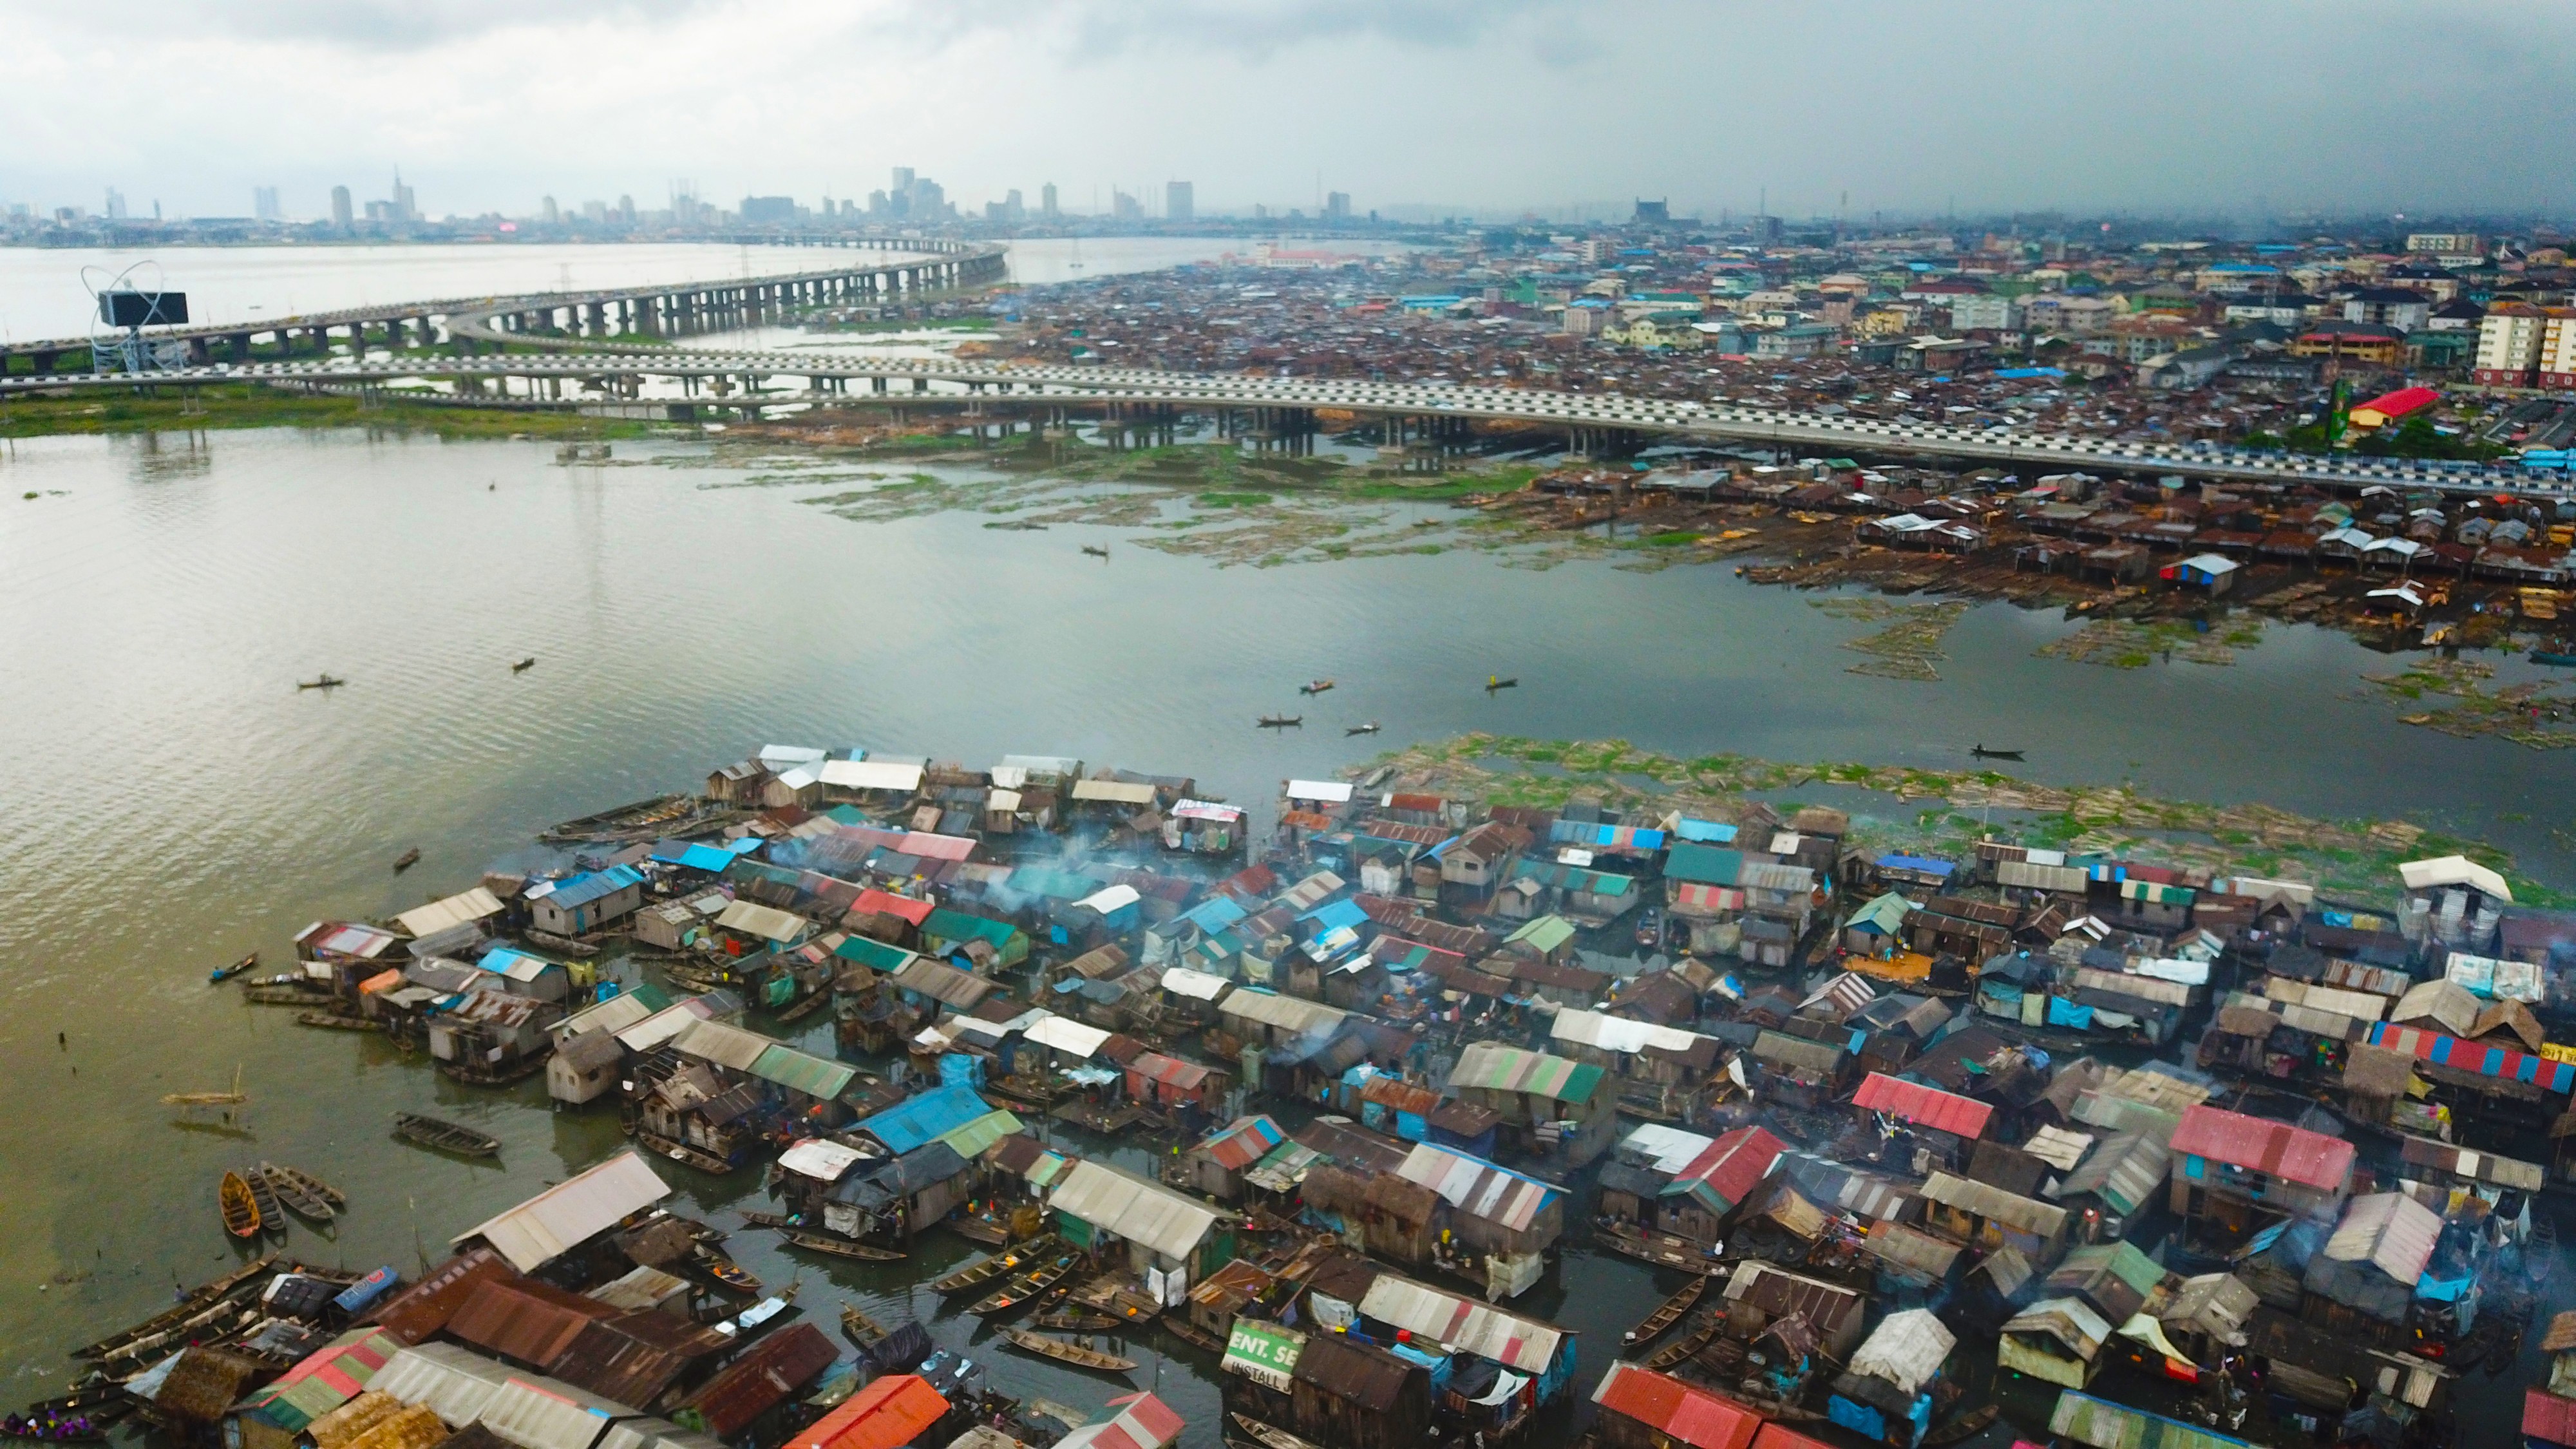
<point>683,1153</point>
<point>1065,1352</point>
<point>861,1329</point>
<point>445,1136</point>
<point>272,1218</point>
<point>1063,1322</point>
<point>1672,1311</point>
<point>1270,1436</point>
<point>813,1001</point>
<point>307,1182</point>
<point>1962,1427</point>
<point>732,1275</point>
<point>226,973</point>
<point>1020,1290</point>
<point>1682,1349</point>
<point>299,1199</point>
<point>334,1021</point>
<point>240,1209</point>
<point>837,1247</point>
<point>985,1270</point>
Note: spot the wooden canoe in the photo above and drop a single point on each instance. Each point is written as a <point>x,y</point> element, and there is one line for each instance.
<point>981,1230</point>
<point>1962,1427</point>
<point>200,1299</point>
<point>272,1218</point>
<point>1682,1349</point>
<point>753,1219</point>
<point>1064,1351</point>
<point>299,1197</point>
<point>1269,1436</point>
<point>1024,1288</point>
<point>861,1329</point>
<point>838,1247</point>
<point>445,1136</point>
<point>1067,1321</point>
<point>564,944</point>
<point>334,1021</point>
<point>1673,1310</point>
<point>732,1275</point>
<point>804,1006</point>
<point>307,1182</point>
<point>227,973</point>
<point>985,1270</point>
<point>683,1153</point>
<point>240,1209</point>
<point>285,996</point>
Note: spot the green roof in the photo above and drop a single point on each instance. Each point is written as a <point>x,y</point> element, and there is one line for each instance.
<point>2124,1260</point>
<point>970,1140</point>
<point>803,1072</point>
<point>948,925</point>
<point>1546,933</point>
<point>1698,864</point>
<point>1886,913</point>
<point>1063,885</point>
<point>872,953</point>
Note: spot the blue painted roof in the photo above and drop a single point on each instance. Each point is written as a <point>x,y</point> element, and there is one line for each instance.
<point>1333,915</point>
<point>581,890</point>
<point>1703,865</point>
<point>1705,832</point>
<point>1215,913</point>
<point>934,1114</point>
<point>1923,863</point>
<point>695,856</point>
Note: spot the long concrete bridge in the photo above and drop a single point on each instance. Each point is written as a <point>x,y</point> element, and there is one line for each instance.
<point>580,318</point>
<point>583,356</point>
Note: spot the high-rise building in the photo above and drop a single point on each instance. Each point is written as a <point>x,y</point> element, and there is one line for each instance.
<point>399,205</point>
<point>548,212</point>
<point>1124,207</point>
<point>1046,202</point>
<point>626,209</point>
<point>1337,206</point>
<point>263,204</point>
<point>342,215</point>
<point>1178,202</point>
<point>115,204</point>
<point>595,212</point>
<point>902,181</point>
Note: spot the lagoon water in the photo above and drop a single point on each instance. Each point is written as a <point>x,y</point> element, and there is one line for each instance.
<point>168,800</point>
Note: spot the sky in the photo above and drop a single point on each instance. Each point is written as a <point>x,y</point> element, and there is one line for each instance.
<point>2275,107</point>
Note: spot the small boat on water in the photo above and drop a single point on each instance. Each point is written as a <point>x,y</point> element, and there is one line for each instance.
<point>1650,928</point>
<point>307,1184</point>
<point>1024,1288</point>
<point>524,665</point>
<point>287,995</point>
<point>1682,1349</point>
<point>1962,1427</point>
<point>751,1219</point>
<point>1372,727</point>
<point>234,1098</point>
<point>804,1006</point>
<point>860,1329</point>
<point>1095,550</point>
<point>1064,1351</point>
<point>2540,1252</point>
<point>566,944</point>
<point>681,1152</point>
<point>445,1136</point>
<point>324,682</point>
<point>406,860</point>
<point>1314,686</point>
<point>36,1428</point>
<point>298,1197</point>
<point>334,1021</point>
<point>1670,1312</point>
<point>2558,657</point>
<point>1980,752</point>
<point>1495,681</point>
<point>1282,721</point>
<point>985,1270</point>
<point>240,1209</point>
<point>226,973</point>
<point>731,1274</point>
<point>1068,1321</point>
<point>272,1218</point>
<point>838,1247</point>
<point>1269,1436</point>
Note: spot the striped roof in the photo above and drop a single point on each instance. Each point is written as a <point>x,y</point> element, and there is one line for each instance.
<point>1490,1066</point>
<point>1479,1188</point>
<point>1242,1142</point>
<point>2478,1057</point>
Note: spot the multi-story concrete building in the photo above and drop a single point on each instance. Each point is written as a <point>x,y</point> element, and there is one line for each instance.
<point>2509,345</point>
<point>2558,347</point>
<point>2444,243</point>
<point>1180,202</point>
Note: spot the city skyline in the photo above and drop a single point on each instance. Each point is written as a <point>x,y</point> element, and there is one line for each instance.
<point>1429,107</point>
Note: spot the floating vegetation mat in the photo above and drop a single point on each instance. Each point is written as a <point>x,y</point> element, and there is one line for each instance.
<point>1907,647</point>
<point>2534,714</point>
<point>2128,644</point>
<point>2353,860</point>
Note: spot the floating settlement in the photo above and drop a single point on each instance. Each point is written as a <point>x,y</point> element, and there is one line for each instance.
<point>2123,1153</point>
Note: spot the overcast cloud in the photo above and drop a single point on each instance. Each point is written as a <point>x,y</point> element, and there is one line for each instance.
<point>1494,105</point>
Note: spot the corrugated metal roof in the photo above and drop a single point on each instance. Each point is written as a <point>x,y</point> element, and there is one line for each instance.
<point>943,983</point>
<point>2478,1057</point>
<point>1479,1188</point>
<point>1777,1292</point>
<point>454,1383</point>
<point>2389,1230</point>
<point>1242,1142</point>
<point>1675,1410</point>
<point>1129,1207</point>
<point>1924,1106</point>
<point>721,1043</point>
<point>1733,1165</point>
<point>767,922</point>
<point>764,1376</point>
<point>1142,1422</point>
<point>918,1121</point>
<point>1906,1350</point>
<point>562,1217</point>
<point>1285,1013</point>
<point>1985,1201</point>
<point>971,1140</point>
<point>2258,1145</point>
<point>1906,1248</point>
<point>525,1320</point>
<point>1447,1319</point>
<point>456,910</point>
<point>803,1072</point>
<point>2101,1424</point>
<point>542,1413</point>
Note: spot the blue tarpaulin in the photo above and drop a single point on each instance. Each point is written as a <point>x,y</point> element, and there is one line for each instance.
<point>2062,1012</point>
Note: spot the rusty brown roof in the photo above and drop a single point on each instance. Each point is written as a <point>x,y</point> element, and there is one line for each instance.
<point>775,1367</point>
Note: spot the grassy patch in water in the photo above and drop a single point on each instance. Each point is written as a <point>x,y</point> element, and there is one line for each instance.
<point>235,406</point>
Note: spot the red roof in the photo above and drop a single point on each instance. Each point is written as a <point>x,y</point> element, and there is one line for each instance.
<point>1680,1412</point>
<point>887,1414</point>
<point>1924,1106</point>
<point>2258,1145</point>
<point>1155,1066</point>
<point>1735,1162</point>
<point>2547,1417</point>
<point>2401,402</point>
<point>1143,1422</point>
<point>886,903</point>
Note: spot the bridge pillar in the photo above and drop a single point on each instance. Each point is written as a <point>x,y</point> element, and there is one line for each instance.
<point>240,344</point>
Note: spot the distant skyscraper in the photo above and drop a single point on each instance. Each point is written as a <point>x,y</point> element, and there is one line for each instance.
<point>263,204</point>
<point>902,181</point>
<point>1012,207</point>
<point>1178,202</point>
<point>1046,201</point>
<point>626,209</point>
<point>399,205</point>
<point>1337,205</point>
<point>115,204</point>
<point>1124,207</point>
<point>548,212</point>
<point>342,215</point>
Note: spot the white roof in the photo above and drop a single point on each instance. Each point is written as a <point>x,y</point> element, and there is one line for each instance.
<point>564,1216</point>
<point>1066,1035</point>
<point>1197,985</point>
<point>778,757</point>
<point>2209,563</point>
<point>456,910</point>
<point>617,1013</point>
<point>767,922</point>
<point>1122,791</point>
<point>1670,1147</point>
<point>2447,870</point>
<point>1115,898</point>
<point>1008,777</point>
<point>1127,1206</point>
<point>818,1157</point>
<point>872,775</point>
<point>1331,792</point>
<point>1464,1323</point>
<point>1906,1350</point>
<point>797,777</point>
<point>662,1025</point>
<point>1000,800</point>
<point>535,1412</point>
<point>1287,1013</point>
<point>449,1381</point>
<point>1617,1033</point>
<point>721,1043</point>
